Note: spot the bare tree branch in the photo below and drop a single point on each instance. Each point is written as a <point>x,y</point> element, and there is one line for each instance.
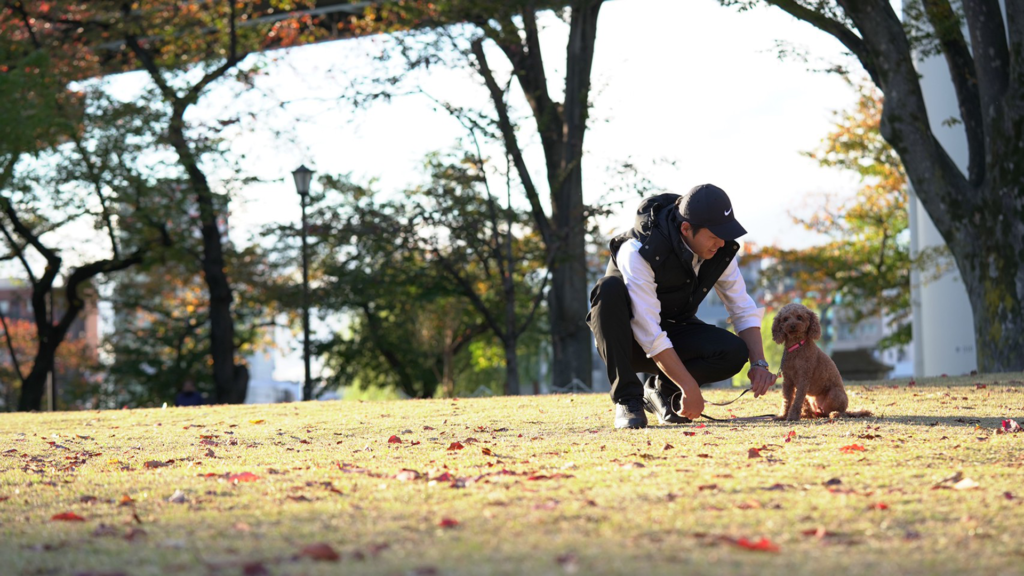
<point>512,144</point>
<point>962,71</point>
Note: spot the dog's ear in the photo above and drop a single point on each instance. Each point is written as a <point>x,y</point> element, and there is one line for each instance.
<point>813,326</point>
<point>777,334</point>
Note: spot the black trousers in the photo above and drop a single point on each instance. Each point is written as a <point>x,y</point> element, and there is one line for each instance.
<point>709,353</point>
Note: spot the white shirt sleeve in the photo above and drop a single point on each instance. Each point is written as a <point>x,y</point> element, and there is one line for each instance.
<point>743,312</point>
<point>643,296</point>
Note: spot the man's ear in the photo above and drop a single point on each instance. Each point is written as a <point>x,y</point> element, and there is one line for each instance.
<point>686,230</point>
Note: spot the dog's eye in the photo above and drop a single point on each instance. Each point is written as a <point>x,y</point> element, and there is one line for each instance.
<point>799,317</point>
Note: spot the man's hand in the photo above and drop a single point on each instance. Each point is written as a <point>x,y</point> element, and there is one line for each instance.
<point>692,404</point>
<point>761,380</point>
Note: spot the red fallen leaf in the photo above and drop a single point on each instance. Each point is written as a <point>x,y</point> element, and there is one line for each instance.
<point>707,487</point>
<point>791,435</point>
<point>125,500</point>
<point>980,386</point>
<point>407,475</point>
<point>750,505</point>
<point>413,443</point>
<point>701,426</point>
<point>4,498</point>
<point>67,517</point>
<point>448,523</point>
<point>243,477</point>
<point>394,440</point>
<point>210,475</point>
<point>668,446</point>
<point>255,569</point>
<point>879,506</point>
<point>754,453</point>
<point>320,552</point>
<point>911,384</point>
<point>1008,495</point>
<point>703,455</point>
<point>851,449</point>
<point>685,433</point>
<point>486,452</point>
<point>155,464</point>
<point>818,532</point>
<point>429,428</point>
<point>455,446</point>
<point>538,477</point>
<point>762,545</point>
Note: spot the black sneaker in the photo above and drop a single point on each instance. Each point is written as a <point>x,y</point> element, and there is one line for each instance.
<point>661,405</point>
<point>629,413</point>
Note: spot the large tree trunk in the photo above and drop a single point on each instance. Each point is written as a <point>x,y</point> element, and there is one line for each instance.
<point>980,215</point>
<point>34,386</point>
<point>571,341</point>
<point>227,388</point>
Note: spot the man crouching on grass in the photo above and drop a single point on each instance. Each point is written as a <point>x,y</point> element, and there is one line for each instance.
<point>643,312</point>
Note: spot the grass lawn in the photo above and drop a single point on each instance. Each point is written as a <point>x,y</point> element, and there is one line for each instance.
<point>541,485</point>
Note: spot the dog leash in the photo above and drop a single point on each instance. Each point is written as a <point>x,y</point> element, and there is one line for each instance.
<point>712,418</point>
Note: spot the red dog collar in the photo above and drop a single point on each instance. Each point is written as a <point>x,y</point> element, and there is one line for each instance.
<point>795,346</point>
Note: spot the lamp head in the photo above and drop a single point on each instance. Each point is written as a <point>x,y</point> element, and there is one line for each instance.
<point>302,176</point>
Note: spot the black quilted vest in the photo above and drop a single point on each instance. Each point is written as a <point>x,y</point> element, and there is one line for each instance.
<point>679,290</point>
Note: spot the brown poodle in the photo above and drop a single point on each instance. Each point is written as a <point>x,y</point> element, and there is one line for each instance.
<point>811,383</point>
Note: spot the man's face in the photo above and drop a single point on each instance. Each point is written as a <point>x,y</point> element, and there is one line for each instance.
<point>704,243</point>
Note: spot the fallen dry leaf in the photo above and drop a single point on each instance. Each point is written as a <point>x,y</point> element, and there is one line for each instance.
<point>243,477</point>
<point>754,453</point>
<point>155,464</point>
<point>455,446</point>
<point>260,421</point>
<point>67,517</point>
<point>762,545</point>
<point>321,552</point>
<point>966,484</point>
<point>1009,426</point>
<point>407,475</point>
<point>852,448</point>
<point>394,440</point>
<point>879,506</point>
<point>448,523</point>
<point>487,452</point>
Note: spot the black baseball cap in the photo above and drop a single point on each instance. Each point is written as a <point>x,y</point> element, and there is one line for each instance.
<point>708,206</point>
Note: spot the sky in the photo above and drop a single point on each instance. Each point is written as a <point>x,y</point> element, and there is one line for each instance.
<point>688,91</point>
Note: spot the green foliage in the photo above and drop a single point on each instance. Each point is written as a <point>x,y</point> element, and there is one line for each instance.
<point>866,262</point>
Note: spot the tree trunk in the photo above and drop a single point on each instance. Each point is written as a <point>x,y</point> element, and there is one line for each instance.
<point>571,341</point>
<point>511,368</point>
<point>34,386</point>
<point>979,215</point>
<point>227,388</point>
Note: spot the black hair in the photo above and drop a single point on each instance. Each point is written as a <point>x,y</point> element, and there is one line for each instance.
<point>696,228</point>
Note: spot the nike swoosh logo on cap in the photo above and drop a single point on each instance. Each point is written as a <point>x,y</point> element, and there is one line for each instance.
<point>728,211</point>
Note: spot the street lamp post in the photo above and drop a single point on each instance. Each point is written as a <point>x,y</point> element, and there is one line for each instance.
<point>303,176</point>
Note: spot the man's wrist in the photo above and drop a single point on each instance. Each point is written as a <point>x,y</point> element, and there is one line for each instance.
<point>759,364</point>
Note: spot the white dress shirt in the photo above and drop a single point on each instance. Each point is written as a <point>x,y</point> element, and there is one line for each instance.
<point>646,322</point>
